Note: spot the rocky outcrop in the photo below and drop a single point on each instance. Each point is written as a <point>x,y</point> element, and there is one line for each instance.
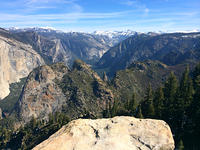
<point>41,95</point>
<point>16,61</point>
<point>118,133</point>
<point>78,92</point>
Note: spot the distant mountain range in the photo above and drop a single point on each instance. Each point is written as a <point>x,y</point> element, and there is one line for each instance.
<point>170,49</point>
<point>50,46</point>
<point>44,71</point>
<point>68,46</point>
<point>114,37</point>
<point>108,51</point>
<point>36,29</point>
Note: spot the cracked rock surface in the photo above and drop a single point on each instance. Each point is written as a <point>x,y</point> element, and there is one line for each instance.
<point>118,133</point>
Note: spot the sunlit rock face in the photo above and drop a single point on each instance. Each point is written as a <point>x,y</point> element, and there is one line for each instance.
<point>16,61</point>
<point>118,133</point>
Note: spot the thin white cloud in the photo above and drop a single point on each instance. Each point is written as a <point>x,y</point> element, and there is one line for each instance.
<point>114,20</point>
<point>32,6</point>
<point>111,20</point>
<point>128,2</point>
<point>137,4</point>
<point>39,2</point>
<point>58,18</point>
<point>146,10</point>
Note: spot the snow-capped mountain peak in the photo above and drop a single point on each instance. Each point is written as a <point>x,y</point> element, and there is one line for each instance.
<point>37,29</point>
<point>113,34</point>
<point>188,31</point>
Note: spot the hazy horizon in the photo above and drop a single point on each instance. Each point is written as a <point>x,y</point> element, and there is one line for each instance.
<point>100,31</point>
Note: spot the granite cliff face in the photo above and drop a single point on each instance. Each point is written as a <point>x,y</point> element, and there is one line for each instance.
<point>16,61</point>
<point>118,133</point>
<point>78,92</point>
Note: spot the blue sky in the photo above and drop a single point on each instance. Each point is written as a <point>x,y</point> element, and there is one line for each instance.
<point>90,15</point>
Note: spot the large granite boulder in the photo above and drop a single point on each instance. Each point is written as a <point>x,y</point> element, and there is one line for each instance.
<point>118,133</point>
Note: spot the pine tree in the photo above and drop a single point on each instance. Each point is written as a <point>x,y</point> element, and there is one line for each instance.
<point>114,109</point>
<point>185,93</point>
<point>180,145</point>
<point>107,111</point>
<point>133,104</point>
<point>130,105</point>
<point>170,91</point>
<point>147,106</point>
<point>158,102</point>
<point>139,112</point>
<point>5,136</point>
<point>182,103</point>
<point>196,71</point>
<point>195,107</point>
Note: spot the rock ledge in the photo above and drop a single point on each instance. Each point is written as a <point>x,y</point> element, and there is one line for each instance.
<point>118,133</point>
